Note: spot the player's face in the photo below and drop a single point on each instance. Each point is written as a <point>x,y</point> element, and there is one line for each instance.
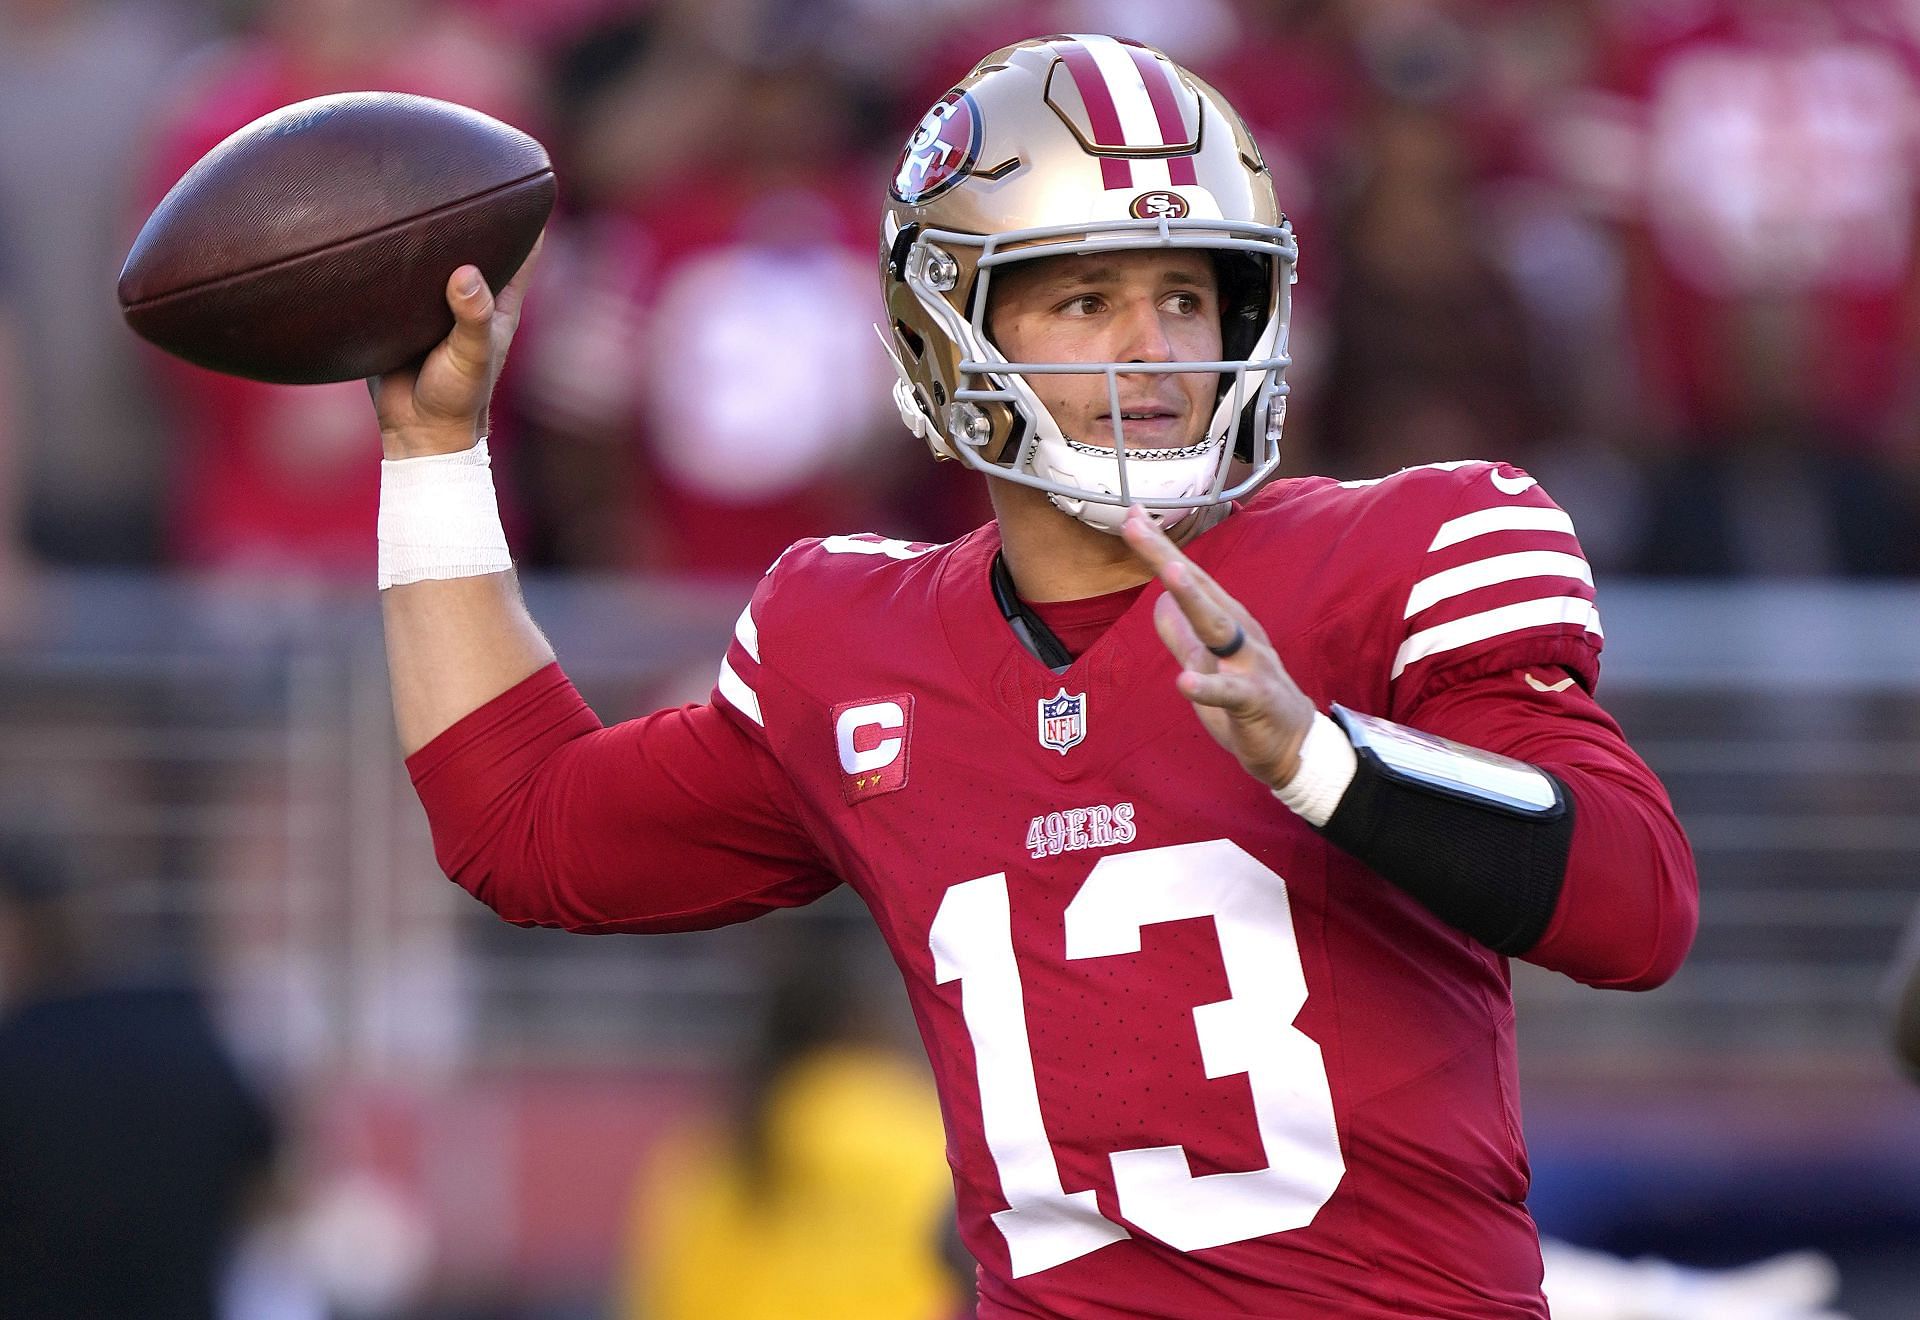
<point>1151,306</point>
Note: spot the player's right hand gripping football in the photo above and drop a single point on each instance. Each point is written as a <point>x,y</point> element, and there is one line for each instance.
<point>440,406</point>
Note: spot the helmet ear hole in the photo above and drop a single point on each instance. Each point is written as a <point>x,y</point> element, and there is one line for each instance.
<point>1243,434</point>
<point>916,346</point>
<point>1246,289</point>
<point>972,301</point>
<point>1275,414</point>
<point>1016,438</point>
<point>897,254</point>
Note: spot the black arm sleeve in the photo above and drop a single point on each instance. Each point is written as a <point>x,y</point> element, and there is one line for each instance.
<point>1491,871</point>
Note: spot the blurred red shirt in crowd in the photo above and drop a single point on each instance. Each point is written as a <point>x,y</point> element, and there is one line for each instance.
<point>703,347</point>
<point>275,479</point>
<point>1763,157</point>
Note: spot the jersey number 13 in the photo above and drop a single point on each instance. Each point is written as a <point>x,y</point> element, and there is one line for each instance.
<point>1249,1032</point>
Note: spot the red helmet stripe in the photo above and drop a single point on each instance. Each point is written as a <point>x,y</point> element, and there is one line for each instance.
<point>1115,172</point>
<point>1166,110</point>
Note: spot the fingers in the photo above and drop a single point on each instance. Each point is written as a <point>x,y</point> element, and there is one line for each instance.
<point>1201,679</point>
<point>516,291</point>
<point>470,346</point>
<point>1215,617</point>
<point>439,404</point>
<point>1170,621</point>
<point>1147,540</point>
<point>1237,694</point>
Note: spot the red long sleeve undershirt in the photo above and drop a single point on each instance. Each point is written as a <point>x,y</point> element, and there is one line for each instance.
<point>678,821</point>
<point>674,821</point>
<point>1630,903</point>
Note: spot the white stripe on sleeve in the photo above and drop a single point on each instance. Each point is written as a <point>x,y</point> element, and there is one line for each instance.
<point>1494,623</point>
<point>747,632</point>
<point>854,545</point>
<point>1495,569</point>
<point>735,690</point>
<point>1502,518</point>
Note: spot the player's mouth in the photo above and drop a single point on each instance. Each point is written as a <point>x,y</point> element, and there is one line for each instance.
<point>1145,427</point>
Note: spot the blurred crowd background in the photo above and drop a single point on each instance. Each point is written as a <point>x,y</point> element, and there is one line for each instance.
<point>1663,253</point>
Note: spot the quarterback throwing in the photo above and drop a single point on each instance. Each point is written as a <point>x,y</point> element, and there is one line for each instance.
<point>1201,809</point>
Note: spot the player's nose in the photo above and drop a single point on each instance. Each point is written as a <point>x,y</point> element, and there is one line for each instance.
<point>1144,336</point>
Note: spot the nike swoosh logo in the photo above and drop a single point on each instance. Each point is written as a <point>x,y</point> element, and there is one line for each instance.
<point>1538,686</point>
<point>1511,485</point>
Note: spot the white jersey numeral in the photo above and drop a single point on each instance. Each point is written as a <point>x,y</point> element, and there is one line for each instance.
<point>1044,1224</point>
<point>1249,1032</point>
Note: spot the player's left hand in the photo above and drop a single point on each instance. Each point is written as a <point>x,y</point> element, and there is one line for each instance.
<point>1246,699</point>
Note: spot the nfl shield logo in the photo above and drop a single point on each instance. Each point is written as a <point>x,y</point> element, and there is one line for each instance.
<point>1063,720</point>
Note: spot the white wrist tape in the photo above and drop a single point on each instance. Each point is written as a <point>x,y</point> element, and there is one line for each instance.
<point>1327,766</point>
<point>439,518</point>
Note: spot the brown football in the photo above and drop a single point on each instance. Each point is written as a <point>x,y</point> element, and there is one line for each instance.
<point>314,245</point>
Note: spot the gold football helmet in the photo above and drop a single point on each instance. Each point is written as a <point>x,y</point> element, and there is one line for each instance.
<point>1066,145</point>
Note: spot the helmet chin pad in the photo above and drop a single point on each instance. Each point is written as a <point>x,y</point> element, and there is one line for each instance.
<point>1109,518</point>
<point>1191,476</point>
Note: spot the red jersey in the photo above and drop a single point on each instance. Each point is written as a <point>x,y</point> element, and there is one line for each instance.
<point>1193,1059</point>
<point>1740,133</point>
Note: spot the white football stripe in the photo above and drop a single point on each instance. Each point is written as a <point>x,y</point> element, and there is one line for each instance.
<point>1151,172</point>
<point>1494,623</point>
<point>1138,123</point>
<point>735,690</point>
<point>747,632</point>
<point>1505,518</point>
<point>1496,568</point>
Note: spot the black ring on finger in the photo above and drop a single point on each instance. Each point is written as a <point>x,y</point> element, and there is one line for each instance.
<point>1232,645</point>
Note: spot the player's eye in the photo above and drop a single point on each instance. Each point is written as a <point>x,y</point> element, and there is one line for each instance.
<point>1183,304</point>
<point>1084,304</point>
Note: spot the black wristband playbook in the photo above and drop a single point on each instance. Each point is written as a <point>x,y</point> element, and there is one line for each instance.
<point>1480,839</point>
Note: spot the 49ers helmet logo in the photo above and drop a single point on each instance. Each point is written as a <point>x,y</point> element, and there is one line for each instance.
<point>941,151</point>
<point>1159,205</point>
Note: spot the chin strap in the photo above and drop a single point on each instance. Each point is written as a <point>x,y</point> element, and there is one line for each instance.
<point>1028,626</point>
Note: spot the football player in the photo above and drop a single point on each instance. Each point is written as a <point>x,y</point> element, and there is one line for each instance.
<point>1201,811</point>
